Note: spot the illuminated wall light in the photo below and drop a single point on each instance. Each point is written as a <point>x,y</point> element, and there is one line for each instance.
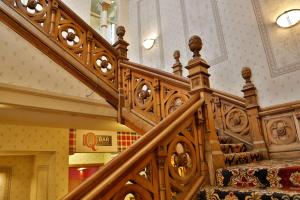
<point>288,18</point>
<point>148,43</point>
<point>81,169</point>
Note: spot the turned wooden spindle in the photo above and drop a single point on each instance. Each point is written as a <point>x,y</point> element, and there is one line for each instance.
<point>121,45</point>
<point>199,83</point>
<point>177,66</point>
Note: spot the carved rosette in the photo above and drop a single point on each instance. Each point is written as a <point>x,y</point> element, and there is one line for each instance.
<point>236,120</point>
<point>281,131</point>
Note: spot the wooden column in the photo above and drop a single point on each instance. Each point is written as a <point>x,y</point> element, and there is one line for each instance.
<point>122,47</point>
<point>252,109</point>
<point>199,81</point>
<point>177,67</point>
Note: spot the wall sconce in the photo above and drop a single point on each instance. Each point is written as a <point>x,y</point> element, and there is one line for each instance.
<point>288,18</point>
<point>148,43</point>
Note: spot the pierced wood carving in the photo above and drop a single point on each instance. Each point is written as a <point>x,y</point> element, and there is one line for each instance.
<point>153,97</point>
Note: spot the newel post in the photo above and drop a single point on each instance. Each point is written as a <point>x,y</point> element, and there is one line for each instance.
<point>199,82</point>
<point>122,47</point>
<point>252,109</point>
<point>177,66</point>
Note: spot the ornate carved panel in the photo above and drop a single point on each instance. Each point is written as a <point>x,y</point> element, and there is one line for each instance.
<point>172,98</point>
<point>235,119</point>
<point>183,160</point>
<point>70,35</point>
<point>144,97</point>
<point>141,183</point>
<point>280,130</point>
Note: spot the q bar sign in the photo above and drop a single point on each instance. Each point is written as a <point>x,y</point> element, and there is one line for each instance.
<point>96,141</point>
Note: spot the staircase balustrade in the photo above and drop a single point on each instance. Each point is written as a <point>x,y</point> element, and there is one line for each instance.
<point>166,163</point>
<point>178,116</point>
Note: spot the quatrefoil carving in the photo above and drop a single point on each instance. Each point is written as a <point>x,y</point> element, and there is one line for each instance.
<point>143,93</point>
<point>182,163</point>
<point>71,36</point>
<point>32,6</point>
<point>103,64</point>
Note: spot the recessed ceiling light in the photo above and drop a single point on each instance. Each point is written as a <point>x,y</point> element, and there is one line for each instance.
<point>288,18</point>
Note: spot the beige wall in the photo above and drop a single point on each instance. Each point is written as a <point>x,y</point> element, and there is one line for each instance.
<point>235,34</point>
<point>23,65</point>
<point>21,173</point>
<point>81,7</point>
<point>50,147</point>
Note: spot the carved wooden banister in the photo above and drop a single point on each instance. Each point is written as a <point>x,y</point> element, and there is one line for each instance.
<point>69,33</point>
<point>166,163</point>
<point>151,93</point>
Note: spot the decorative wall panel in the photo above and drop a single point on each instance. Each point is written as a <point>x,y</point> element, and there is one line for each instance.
<point>282,45</point>
<point>149,27</point>
<point>207,25</point>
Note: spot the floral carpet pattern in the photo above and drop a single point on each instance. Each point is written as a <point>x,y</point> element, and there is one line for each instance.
<point>246,194</point>
<point>275,174</point>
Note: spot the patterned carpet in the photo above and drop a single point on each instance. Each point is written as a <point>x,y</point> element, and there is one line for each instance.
<point>269,173</point>
<point>246,177</point>
<point>246,194</point>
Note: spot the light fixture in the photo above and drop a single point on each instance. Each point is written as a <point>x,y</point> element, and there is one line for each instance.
<point>288,18</point>
<point>81,169</point>
<point>148,43</point>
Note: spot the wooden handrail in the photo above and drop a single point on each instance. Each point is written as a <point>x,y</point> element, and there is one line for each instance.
<point>156,71</point>
<point>109,174</point>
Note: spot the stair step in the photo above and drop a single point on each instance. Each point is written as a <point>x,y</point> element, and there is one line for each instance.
<point>233,148</point>
<point>224,139</point>
<point>263,174</point>
<point>215,193</point>
<point>242,158</point>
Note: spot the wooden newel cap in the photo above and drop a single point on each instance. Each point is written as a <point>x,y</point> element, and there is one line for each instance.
<point>120,32</point>
<point>246,74</point>
<point>195,44</point>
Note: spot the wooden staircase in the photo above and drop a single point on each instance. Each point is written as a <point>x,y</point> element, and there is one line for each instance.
<point>180,150</point>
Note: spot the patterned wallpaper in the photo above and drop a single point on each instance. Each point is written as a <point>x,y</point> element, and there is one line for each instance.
<point>20,175</point>
<point>233,37</point>
<point>23,65</point>
<point>40,139</point>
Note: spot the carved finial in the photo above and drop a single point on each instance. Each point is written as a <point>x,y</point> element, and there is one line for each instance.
<point>121,32</point>
<point>246,73</point>
<point>177,66</point>
<point>195,44</point>
<point>176,56</point>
